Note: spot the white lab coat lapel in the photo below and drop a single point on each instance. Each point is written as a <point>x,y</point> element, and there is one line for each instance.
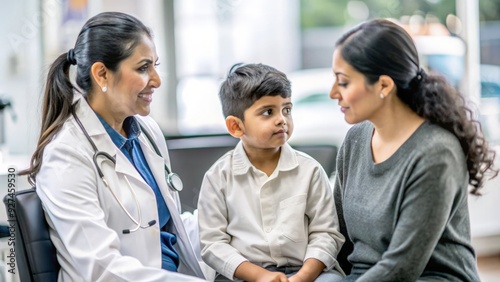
<point>123,167</point>
<point>156,164</point>
<point>104,143</point>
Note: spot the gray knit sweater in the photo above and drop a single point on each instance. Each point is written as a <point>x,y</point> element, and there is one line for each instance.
<point>407,217</point>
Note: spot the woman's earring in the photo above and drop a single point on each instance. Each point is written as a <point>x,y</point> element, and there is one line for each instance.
<point>104,89</point>
<point>381,95</point>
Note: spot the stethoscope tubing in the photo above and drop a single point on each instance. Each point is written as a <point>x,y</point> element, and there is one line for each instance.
<point>98,153</point>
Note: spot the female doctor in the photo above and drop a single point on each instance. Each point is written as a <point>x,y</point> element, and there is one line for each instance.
<point>101,165</point>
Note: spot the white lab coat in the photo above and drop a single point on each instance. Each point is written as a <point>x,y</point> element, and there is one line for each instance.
<point>86,221</point>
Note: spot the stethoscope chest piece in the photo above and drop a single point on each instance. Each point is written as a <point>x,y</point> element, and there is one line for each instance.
<point>175,182</point>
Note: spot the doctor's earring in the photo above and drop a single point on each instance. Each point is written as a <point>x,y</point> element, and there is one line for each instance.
<point>381,95</point>
<point>104,89</point>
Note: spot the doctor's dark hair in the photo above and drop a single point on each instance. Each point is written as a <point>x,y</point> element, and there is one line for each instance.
<point>381,47</point>
<point>246,83</point>
<point>108,37</point>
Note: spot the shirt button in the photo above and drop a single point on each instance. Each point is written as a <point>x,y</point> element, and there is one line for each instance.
<point>268,229</point>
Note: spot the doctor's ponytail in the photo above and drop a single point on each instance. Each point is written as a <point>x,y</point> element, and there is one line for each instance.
<point>56,108</point>
<point>110,38</point>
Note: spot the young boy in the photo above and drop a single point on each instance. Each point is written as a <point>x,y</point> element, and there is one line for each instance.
<point>266,211</point>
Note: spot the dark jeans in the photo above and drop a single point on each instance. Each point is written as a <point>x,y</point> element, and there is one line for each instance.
<point>331,275</point>
<point>288,270</point>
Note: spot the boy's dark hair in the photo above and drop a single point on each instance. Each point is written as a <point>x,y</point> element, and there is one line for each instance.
<point>246,83</point>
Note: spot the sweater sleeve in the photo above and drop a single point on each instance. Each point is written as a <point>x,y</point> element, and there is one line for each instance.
<point>347,247</point>
<point>434,187</point>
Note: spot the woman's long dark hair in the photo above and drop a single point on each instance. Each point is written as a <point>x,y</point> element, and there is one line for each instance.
<point>381,47</point>
<point>109,37</point>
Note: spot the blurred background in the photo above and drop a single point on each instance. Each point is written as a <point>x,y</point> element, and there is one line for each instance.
<point>199,40</point>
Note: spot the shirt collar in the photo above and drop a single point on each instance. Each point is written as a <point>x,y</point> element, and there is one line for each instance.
<point>241,163</point>
<point>131,127</point>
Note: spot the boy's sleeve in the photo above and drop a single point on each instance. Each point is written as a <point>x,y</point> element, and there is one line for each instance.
<point>325,240</point>
<point>212,213</point>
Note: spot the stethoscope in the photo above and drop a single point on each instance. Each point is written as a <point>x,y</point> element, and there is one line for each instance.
<point>173,180</point>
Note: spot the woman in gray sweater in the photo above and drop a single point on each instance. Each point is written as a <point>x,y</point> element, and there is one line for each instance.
<point>405,168</point>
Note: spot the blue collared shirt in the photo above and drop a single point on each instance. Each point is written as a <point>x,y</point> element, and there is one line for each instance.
<point>131,148</point>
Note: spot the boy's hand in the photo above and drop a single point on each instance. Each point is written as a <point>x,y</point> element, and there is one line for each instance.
<point>272,277</point>
<point>297,278</point>
<point>248,271</point>
<point>311,269</point>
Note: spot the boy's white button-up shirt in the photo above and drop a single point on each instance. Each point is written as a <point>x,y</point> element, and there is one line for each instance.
<point>282,219</point>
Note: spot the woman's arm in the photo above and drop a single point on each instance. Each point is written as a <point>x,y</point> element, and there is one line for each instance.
<point>338,192</point>
<point>348,246</point>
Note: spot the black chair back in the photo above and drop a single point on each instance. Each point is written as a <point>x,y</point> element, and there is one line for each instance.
<point>36,257</point>
<point>192,156</point>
